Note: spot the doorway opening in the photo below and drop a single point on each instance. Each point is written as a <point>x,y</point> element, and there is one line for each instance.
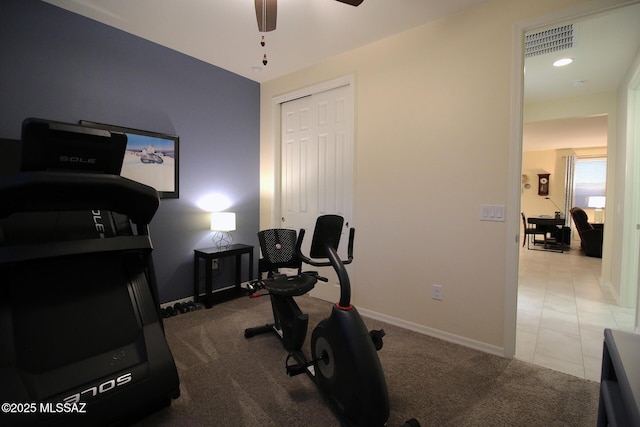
<point>565,300</point>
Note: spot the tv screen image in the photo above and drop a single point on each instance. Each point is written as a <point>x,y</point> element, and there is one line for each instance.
<point>150,158</point>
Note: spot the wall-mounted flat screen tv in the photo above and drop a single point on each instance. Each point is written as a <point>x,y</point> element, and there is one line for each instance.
<point>151,158</point>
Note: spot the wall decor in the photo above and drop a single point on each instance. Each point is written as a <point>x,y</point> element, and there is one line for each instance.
<point>543,184</point>
<point>151,158</point>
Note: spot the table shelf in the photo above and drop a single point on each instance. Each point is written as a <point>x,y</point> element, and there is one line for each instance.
<point>208,255</point>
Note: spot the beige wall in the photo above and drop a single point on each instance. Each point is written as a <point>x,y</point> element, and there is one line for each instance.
<point>553,162</point>
<point>539,162</point>
<point>432,133</point>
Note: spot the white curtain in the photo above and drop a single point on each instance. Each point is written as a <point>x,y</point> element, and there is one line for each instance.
<point>570,167</point>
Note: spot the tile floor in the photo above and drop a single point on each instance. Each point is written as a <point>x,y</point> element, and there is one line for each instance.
<point>563,310</point>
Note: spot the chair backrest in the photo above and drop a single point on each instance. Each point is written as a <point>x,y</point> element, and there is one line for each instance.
<point>278,246</point>
<point>580,219</point>
<point>530,228</point>
<point>327,232</point>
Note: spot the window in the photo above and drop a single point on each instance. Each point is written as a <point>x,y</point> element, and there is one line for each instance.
<point>590,180</point>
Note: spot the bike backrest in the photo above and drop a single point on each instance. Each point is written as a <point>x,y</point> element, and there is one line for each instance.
<point>326,233</point>
<point>278,249</point>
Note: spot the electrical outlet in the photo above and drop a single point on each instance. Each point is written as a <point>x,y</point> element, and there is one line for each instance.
<point>436,292</point>
<point>214,264</point>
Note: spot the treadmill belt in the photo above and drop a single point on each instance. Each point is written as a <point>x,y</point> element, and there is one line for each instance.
<point>70,310</point>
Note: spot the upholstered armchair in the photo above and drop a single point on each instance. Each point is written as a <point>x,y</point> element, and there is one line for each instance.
<point>590,237</point>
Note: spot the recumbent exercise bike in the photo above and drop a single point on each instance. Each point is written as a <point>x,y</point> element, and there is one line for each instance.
<point>344,362</point>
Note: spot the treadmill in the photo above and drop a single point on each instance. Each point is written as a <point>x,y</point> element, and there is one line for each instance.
<point>81,334</point>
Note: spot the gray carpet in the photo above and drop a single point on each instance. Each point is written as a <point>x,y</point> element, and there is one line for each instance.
<point>227,380</point>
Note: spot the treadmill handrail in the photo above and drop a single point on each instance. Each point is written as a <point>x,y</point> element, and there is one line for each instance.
<point>47,250</point>
<point>71,191</point>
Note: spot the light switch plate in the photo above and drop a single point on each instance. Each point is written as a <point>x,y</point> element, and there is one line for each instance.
<point>492,213</point>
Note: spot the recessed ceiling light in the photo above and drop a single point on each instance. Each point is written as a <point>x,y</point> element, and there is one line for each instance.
<point>562,62</point>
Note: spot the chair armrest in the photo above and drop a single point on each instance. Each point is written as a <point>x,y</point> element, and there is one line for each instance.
<point>595,233</point>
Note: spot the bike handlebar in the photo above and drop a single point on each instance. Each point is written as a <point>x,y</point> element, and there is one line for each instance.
<point>336,262</point>
<point>315,263</point>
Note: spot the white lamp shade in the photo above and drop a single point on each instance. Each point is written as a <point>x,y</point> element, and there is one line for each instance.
<point>597,202</point>
<point>223,221</point>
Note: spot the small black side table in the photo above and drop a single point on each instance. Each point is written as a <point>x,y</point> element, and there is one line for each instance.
<point>208,255</point>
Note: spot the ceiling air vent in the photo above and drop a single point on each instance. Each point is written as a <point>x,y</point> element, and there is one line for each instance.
<point>548,41</point>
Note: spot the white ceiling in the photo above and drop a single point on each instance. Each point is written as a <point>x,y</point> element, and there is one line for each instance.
<point>574,132</point>
<point>604,48</point>
<point>225,33</point>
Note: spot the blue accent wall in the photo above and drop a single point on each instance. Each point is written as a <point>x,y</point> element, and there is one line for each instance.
<point>61,66</point>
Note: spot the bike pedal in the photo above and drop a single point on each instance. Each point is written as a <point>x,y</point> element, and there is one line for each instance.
<point>298,369</point>
<point>376,337</point>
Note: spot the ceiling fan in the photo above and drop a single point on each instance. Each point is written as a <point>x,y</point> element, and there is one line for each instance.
<point>267,11</point>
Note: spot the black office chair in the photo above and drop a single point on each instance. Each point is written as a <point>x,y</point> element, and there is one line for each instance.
<point>278,247</point>
<point>532,230</point>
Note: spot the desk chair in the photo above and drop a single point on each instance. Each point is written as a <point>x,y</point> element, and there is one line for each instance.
<point>531,230</point>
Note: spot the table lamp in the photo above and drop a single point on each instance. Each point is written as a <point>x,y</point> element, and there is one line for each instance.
<point>597,202</point>
<point>222,224</point>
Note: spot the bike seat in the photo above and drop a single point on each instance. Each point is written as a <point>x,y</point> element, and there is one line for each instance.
<point>290,285</point>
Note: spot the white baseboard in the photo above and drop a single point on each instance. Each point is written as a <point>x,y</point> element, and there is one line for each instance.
<point>445,336</point>
<point>435,333</point>
<point>609,286</point>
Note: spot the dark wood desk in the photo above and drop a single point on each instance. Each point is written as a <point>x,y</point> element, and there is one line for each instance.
<point>208,255</point>
<point>555,227</point>
<point>546,221</point>
<point>620,381</point>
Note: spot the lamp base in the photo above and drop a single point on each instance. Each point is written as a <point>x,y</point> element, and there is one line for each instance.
<point>222,239</point>
<point>598,215</point>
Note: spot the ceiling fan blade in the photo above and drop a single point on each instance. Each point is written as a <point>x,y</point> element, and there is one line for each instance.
<point>266,14</point>
<point>351,2</point>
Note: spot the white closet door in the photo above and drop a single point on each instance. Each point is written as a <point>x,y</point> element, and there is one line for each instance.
<point>317,167</point>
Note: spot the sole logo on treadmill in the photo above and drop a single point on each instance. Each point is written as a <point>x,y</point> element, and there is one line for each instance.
<point>76,159</point>
<point>99,389</point>
<point>97,222</point>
